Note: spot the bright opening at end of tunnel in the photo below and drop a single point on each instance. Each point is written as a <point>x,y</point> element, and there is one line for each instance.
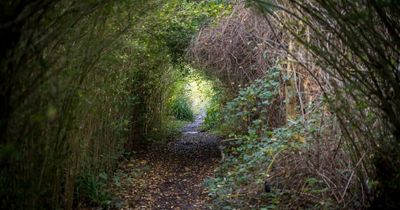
<point>192,95</point>
<point>200,91</point>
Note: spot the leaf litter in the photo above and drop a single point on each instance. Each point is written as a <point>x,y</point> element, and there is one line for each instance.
<point>169,176</point>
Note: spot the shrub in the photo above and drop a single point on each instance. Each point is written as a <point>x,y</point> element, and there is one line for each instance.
<point>356,43</point>
<point>180,109</point>
<point>257,107</point>
<point>91,189</point>
<point>295,160</point>
<point>300,162</point>
<point>212,118</point>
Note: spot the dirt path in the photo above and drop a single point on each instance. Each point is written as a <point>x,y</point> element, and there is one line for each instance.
<point>171,176</point>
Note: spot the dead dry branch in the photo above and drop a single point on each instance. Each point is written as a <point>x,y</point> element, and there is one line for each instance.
<point>238,50</point>
<point>320,174</point>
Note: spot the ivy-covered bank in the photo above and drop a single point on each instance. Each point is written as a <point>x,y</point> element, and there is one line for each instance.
<point>267,165</point>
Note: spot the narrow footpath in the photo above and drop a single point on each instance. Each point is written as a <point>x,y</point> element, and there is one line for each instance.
<point>170,176</point>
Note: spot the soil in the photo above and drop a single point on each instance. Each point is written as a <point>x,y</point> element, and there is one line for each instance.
<point>169,176</point>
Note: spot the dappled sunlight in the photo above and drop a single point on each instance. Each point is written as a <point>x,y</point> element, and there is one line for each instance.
<point>200,92</point>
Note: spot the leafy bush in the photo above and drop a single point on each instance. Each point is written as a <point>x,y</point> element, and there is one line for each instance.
<point>79,86</point>
<point>255,109</point>
<point>213,117</point>
<point>246,118</point>
<point>364,89</point>
<point>180,109</point>
<point>295,164</point>
<point>91,189</point>
<point>291,159</point>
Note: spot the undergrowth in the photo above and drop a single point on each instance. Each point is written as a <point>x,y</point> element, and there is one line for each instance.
<point>213,113</point>
<point>181,109</point>
<point>297,166</point>
<point>91,189</point>
<point>169,131</point>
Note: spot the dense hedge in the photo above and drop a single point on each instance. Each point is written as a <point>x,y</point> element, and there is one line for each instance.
<point>83,83</point>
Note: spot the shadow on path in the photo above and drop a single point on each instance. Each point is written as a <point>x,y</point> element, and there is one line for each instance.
<point>170,176</point>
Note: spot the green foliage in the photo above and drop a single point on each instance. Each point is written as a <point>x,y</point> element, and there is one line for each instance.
<point>176,22</point>
<point>81,83</point>
<point>213,116</point>
<point>363,56</point>
<point>252,152</point>
<point>250,161</point>
<point>247,165</point>
<point>191,95</point>
<point>92,189</point>
<point>69,107</point>
<point>159,45</point>
<point>254,149</point>
<point>200,89</point>
<point>180,109</point>
<point>248,112</point>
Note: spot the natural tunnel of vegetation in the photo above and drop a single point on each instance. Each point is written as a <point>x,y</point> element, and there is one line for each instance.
<point>187,104</point>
